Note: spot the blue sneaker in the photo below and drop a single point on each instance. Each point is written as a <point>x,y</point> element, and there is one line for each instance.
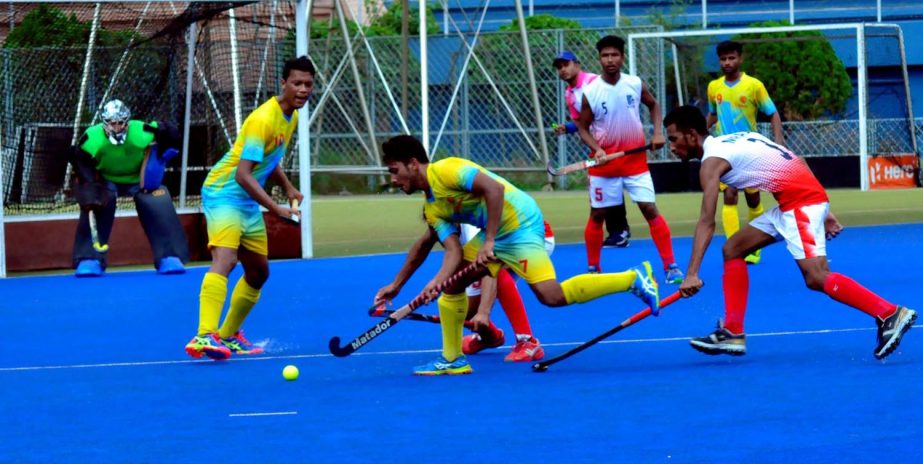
<point>171,265</point>
<point>443,367</point>
<point>645,287</point>
<point>674,275</point>
<point>89,268</point>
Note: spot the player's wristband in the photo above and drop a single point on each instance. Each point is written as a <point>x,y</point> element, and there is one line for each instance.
<point>570,127</point>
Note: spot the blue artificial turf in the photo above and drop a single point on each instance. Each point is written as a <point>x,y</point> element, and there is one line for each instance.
<point>94,371</point>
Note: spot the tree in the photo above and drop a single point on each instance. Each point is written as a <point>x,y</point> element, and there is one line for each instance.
<point>800,70</point>
<point>389,22</point>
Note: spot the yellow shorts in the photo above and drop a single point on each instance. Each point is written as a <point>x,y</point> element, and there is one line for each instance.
<point>522,251</point>
<point>722,186</point>
<point>235,226</point>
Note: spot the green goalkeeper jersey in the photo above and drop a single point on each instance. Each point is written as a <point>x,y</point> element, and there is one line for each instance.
<point>118,163</point>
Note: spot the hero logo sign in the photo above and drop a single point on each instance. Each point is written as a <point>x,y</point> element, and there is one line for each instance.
<point>896,171</point>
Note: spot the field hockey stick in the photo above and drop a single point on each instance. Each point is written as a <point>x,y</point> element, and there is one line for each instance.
<point>589,163</point>
<point>381,311</point>
<point>543,365</point>
<point>394,318</point>
<point>94,233</point>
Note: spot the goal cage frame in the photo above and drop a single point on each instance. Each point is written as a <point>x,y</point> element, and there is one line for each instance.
<point>860,34</point>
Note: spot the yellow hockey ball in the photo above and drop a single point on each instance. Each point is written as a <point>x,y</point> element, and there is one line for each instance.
<point>290,372</point>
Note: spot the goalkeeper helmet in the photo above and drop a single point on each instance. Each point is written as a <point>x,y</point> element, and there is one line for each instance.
<point>115,117</point>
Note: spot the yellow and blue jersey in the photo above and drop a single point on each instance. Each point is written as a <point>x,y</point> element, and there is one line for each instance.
<point>450,202</point>
<point>263,139</point>
<point>735,105</point>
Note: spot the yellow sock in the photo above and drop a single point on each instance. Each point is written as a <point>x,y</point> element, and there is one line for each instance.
<point>452,312</point>
<point>753,213</point>
<point>242,300</point>
<point>211,301</point>
<point>587,287</point>
<point>730,220</point>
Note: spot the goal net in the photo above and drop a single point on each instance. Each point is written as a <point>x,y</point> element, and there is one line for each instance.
<point>841,89</point>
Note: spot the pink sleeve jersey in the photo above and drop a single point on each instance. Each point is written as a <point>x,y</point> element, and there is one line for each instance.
<point>617,124</point>
<point>574,95</point>
<point>757,162</point>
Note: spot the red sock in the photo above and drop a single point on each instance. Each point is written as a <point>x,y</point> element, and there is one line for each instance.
<point>736,286</point>
<point>593,236</point>
<point>850,292</point>
<point>660,232</point>
<point>512,304</point>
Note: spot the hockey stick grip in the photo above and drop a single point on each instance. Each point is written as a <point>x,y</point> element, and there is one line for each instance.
<point>585,164</point>
<point>381,311</point>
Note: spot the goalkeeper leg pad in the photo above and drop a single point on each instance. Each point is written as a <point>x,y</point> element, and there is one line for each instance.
<point>162,226</point>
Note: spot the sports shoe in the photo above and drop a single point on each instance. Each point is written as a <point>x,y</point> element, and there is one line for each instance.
<point>617,241</point>
<point>753,258</point>
<point>171,265</point>
<point>645,287</point>
<point>592,269</point>
<point>238,344</point>
<point>443,367</point>
<point>209,345</point>
<point>892,329</point>
<point>721,341</point>
<point>527,348</point>
<point>474,343</point>
<point>674,275</point>
<point>89,268</point>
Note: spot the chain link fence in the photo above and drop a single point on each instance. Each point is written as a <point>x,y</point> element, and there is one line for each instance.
<point>482,111</point>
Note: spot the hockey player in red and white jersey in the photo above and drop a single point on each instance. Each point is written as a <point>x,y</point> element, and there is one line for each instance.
<point>802,219</point>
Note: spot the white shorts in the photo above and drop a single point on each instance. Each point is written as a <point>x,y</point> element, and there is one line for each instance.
<point>802,229</point>
<point>607,191</point>
<point>475,288</point>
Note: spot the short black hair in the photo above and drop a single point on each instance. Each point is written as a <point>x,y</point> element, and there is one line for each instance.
<point>302,63</point>
<point>729,46</point>
<point>611,41</point>
<point>402,149</point>
<point>686,117</point>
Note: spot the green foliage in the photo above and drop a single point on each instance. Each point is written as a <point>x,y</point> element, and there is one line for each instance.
<point>542,22</point>
<point>389,22</point>
<point>47,26</point>
<point>805,78</point>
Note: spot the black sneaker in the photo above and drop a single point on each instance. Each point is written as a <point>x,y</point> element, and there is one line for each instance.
<point>721,341</point>
<point>617,241</point>
<point>892,329</point>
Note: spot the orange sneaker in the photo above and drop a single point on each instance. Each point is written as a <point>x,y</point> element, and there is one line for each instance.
<point>527,348</point>
<point>473,343</point>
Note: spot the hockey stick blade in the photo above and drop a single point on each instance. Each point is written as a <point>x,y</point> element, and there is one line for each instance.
<point>543,365</point>
<point>94,234</point>
<point>392,319</point>
<point>585,164</point>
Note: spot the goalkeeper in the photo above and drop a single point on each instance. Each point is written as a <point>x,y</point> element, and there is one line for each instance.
<point>126,157</point>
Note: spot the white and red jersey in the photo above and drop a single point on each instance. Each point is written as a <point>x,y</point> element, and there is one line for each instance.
<point>757,162</point>
<point>573,95</point>
<point>617,124</point>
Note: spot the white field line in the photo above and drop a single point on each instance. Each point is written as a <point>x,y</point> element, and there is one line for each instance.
<point>261,414</point>
<point>400,352</point>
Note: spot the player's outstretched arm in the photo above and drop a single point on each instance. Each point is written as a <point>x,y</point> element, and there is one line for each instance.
<point>653,106</point>
<point>583,127</point>
<point>417,254</point>
<point>450,262</point>
<point>709,176</point>
<point>488,295</point>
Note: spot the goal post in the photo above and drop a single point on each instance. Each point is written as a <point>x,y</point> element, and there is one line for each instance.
<point>872,136</point>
